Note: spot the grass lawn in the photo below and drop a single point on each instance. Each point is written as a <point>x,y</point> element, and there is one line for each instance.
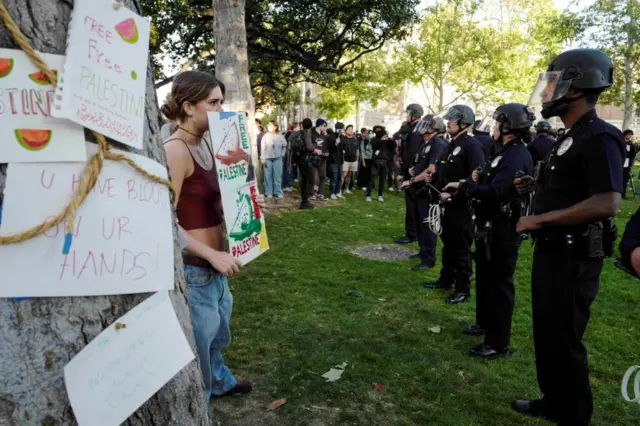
<point>292,321</point>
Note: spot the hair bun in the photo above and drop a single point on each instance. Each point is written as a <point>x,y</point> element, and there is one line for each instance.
<point>170,109</point>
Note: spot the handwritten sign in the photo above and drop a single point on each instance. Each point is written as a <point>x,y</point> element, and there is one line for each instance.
<point>122,239</point>
<point>127,363</point>
<point>232,153</point>
<point>28,132</point>
<point>103,86</point>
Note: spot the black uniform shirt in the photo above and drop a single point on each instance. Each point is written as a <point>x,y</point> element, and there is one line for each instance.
<point>539,148</point>
<point>411,142</point>
<point>631,238</point>
<point>587,161</point>
<point>495,184</point>
<point>630,154</point>
<point>463,155</point>
<point>429,153</point>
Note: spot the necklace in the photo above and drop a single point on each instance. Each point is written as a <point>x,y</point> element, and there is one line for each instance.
<point>191,133</point>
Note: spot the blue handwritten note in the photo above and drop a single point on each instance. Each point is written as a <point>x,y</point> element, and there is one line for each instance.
<point>127,363</point>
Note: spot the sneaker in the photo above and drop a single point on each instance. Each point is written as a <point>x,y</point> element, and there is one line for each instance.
<point>340,196</point>
<point>364,189</point>
<point>368,199</point>
<point>348,192</point>
<point>380,198</point>
<point>334,197</point>
<point>295,180</point>
<point>288,190</point>
<point>314,197</point>
<point>321,197</point>
<point>280,197</point>
<point>242,388</point>
<point>392,189</point>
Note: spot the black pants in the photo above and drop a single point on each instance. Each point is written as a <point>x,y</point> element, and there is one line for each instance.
<point>426,238</point>
<point>495,294</point>
<point>391,168</point>
<point>563,286</point>
<point>322,175</point>
<point>411,216</point>
<point>364,175</point>
<point>379,171</point>
<point>626,172</point>
<point>306,180</point>
<point>457,237</point>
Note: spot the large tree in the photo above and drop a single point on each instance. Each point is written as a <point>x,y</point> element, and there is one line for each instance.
<point>288,41</point>
<point>39,336</point>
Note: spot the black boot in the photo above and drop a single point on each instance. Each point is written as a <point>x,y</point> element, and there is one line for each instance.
<point>474,330</point>
<point>423,266</point>
<point>433,285</point>
<point>404,240</point>
<point>488,352</point>
<point>456,298</point>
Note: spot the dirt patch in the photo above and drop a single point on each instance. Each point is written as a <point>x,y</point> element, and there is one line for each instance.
<point>291,203</point>
<point>385,252</point>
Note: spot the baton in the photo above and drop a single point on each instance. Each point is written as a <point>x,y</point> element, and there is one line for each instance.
<point>620,265</point>
<point>525,205</point>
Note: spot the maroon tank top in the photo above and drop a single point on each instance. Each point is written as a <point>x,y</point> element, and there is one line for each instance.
<point>200,203</point>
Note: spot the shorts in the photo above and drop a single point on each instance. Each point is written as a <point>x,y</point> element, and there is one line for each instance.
<point>350,166</point>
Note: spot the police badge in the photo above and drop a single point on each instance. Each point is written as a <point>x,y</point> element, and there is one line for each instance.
<point>496,161</point>
<point>427,149</point>
<point>457,150</point>
<point>564,146</point>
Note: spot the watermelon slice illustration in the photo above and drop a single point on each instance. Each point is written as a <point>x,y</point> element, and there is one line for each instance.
<point>128,30</point>
<point>6,65</point>
<point>33,139</point>
<point>41,78</point>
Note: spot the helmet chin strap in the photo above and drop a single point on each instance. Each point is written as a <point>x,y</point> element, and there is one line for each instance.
<point>560,107</point>
<point>462,129</point>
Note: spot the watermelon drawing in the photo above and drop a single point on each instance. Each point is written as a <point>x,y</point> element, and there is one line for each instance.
<point>33,139</point>
<point>6,65</point>
<point>128,30</point>
<point>41,78</point>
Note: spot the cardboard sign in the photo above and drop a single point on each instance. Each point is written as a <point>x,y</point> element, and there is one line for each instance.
<point>28,132</point>
<point>122,239</point>
<point>103,85</point>
<point>232,153</point>
<point>127,363</point>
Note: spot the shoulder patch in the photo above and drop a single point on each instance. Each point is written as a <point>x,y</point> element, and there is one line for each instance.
<point>564,146</point>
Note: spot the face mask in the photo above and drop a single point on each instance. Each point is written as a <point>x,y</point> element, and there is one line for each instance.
<point>379,134</point>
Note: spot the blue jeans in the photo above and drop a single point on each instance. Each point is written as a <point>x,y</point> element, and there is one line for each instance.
<point>336,178</point>
<point>273,177</point>
<point>211,305</point>
<point>286,173</point>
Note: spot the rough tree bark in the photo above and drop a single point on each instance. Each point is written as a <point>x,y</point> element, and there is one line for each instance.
<point>232,63</point>
<point>39,336</point>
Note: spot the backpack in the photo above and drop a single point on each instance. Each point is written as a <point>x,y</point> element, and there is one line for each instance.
<point>296,144</point>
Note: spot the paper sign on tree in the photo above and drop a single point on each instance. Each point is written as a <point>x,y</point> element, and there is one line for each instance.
<point>28,132</point>
<point>232,153</point>
<point>126,365</point>
<point>103,85</point>
<point>122,239</point>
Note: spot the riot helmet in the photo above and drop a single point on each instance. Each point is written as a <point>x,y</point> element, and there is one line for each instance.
<point>543,126</point>
<point>414,111</point>
<point>462,114</point>
<point>514,118</point>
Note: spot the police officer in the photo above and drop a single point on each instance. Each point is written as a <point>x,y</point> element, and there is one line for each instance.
<point>463,155</point>
<point>542,144</point>
<point>409,146</point>
<point>630,245</point>
<point>423,166</point>
<point>577,192</point>
<point>630,150</point>
<point>485,139</point>
<point>497,209</point>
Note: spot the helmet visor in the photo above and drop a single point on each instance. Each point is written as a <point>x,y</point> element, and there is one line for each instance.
<point>452,115</point>
<point>550,87</point>
<point>486,124</point>
<point>423,126</point>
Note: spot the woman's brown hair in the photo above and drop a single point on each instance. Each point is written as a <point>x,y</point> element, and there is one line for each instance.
<point>274,123</point>
<point>188,86</point>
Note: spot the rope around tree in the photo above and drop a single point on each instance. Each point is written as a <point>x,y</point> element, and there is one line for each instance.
<point>93,167</point>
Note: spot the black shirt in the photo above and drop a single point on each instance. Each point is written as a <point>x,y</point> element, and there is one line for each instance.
<point>351,147</point>
<point>587,161</point>
<point>411,142</point>
<point>429,153</point>
<point>630,153</point>
<point>539,148</point>
<point>630,238</point>
<point>463,155</point>
<point>383,149</point>
<point>489,146</point>
<point>336,153</point>
<point>319,141</point>
<point>495,183</point>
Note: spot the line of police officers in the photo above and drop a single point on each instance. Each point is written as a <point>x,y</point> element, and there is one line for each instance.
<point>566,205</point>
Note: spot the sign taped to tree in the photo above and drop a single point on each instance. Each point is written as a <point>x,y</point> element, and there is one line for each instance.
<point>127,363</point>
<point>231,148</point>
<point>122,239</point>
<point>28,132</point>
<point>104,82</point>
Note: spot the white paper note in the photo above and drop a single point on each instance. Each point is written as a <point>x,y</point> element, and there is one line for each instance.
<point>122,240</point>
<point>103,85</point>
<point>28,132</point>
<point>246,229</point>
<point>122,368</point>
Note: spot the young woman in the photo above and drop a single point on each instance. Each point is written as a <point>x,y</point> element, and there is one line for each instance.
<point>274,148</point>
<point>199,209</point>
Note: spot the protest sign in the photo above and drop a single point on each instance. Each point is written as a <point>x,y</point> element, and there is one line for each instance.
<point>232,153</point>
<point>122,239</point>
<point>127,363</point>
<point>28,132</point>
<point>103,85</point>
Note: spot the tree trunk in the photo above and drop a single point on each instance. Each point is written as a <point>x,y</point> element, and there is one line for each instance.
<point>232,63</point>
<point>39,336</point>
<point>628,78</point>
<point>357,116</point>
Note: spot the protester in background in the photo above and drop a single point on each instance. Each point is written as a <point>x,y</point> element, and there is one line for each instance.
<point>383,148</point>
<point>364,174</point>
<point>630,156</point>
<point>542,144</point>
<point>304,153</point>
<point>488,144</point>
<point>199,209</point>
<point>274,148</point>
<point>335,161</point>
<point>287,164</point>
<point>351,148</point>
<point>319,139</point>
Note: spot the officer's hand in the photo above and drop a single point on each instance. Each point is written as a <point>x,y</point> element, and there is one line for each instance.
<point>524,185</point>
<point>406,184</point>
<point>475,175</point>
<point>412,172</point>
<point>528,223</point>
<point>452,187</point>
<point>429,178</point>
<point>444,196</point>
<point>317,151</point>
